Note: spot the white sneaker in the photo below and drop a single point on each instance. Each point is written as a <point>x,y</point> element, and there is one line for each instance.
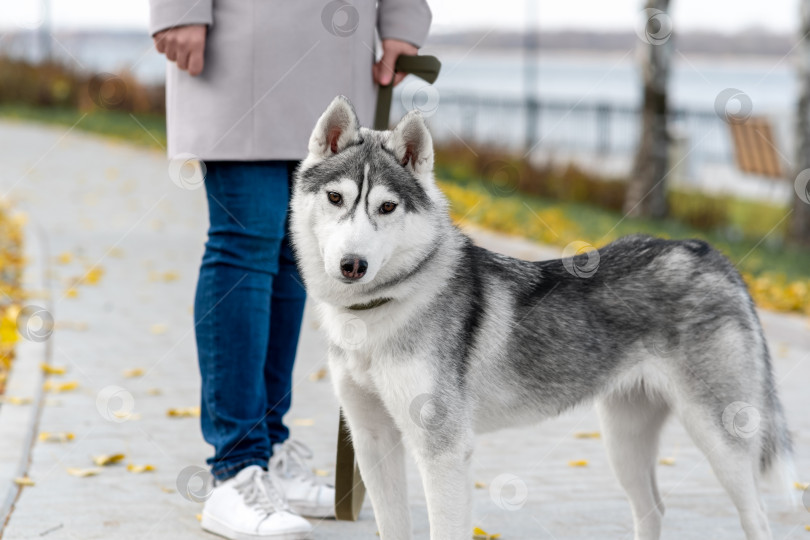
<point>249,507</point>
<point>307,494</point>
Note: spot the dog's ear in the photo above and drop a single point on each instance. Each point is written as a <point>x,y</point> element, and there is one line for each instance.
<point>412,144</point>
<point>337,127</point>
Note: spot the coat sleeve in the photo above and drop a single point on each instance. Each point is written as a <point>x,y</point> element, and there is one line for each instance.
<point>405,20</point>
<point>165,14</point>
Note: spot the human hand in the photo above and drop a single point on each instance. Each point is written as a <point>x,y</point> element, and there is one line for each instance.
<point>184,45</point>
<point>384,69</point>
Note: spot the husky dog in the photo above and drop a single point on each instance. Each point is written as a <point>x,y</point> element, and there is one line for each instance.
<point>433,339</point>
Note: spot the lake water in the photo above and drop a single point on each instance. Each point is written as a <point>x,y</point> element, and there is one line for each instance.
<point>569,84</point>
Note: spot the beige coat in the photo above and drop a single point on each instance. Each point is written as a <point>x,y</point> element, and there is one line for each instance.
<point>272,67</point>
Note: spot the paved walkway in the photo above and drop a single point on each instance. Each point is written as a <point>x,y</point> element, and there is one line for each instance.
<point>113,205</point>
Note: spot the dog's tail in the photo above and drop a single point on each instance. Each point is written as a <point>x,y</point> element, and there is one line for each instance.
<point>776,458</point>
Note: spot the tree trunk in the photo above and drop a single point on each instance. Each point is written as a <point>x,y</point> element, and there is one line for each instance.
<point>646,190</point>
<point>800,220</point>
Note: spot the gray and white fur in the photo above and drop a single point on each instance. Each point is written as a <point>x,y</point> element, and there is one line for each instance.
<point>433,339</point>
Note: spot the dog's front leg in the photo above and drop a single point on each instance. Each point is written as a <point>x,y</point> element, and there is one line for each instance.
<point>444,464</point>
<point>380,455</point>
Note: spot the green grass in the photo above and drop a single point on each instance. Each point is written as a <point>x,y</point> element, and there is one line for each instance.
<point>142,129</point>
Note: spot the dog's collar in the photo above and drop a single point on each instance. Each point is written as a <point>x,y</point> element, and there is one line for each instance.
<point>369,305</point>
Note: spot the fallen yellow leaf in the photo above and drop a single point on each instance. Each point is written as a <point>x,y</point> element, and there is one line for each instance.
<point>158,329</point>
<point>67,386</point>
<point>137,469</point>
<point>16,400</point>
<point>126,414</point>
<point>64,257</point>
<point>60,437</point>
<point>198,516</point>
<point>134,372</point>
<point>184,412</point>
<point>480,534</point>
<point>154,391</point>
<point>83,473</point>
<point>53,370</point>
<point>318,375</point>
<point>807,527</point>
<point>801,486</point>
<point>667,461</point>
<point>166,489</point>
<point>303,422</point>
<point>70,325</point>
<point>23,481</point>
<point>107,459</point>
<point>578,463</point>
<point>320,472</point>
<point>480,485</point>
<point>93,275</point>
<point>72,292</point>
<point>587,435</point>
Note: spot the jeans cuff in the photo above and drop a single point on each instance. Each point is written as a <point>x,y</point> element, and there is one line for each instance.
<point>225,471</point>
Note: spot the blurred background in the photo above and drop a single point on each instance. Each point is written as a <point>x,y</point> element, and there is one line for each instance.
<point>539,114</point>
<point>559,127</point>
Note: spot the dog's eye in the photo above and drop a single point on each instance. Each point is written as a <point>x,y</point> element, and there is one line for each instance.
<point>335,197</point>
<point>387,207</point>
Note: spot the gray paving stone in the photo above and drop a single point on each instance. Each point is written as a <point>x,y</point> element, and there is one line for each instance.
<point>91,195</point>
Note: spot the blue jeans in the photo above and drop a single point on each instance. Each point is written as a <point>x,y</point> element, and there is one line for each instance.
<point>247,313</point>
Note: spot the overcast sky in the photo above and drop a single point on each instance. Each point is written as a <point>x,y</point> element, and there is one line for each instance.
<point>722,15</point>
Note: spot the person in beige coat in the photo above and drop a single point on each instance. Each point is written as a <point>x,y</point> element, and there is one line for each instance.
<point>246,81</point>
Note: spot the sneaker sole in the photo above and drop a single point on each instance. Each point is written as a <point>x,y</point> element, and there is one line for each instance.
<point>215,527</point>
<point>312,511</point>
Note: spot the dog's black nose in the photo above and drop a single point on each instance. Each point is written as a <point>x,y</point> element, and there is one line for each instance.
<point>353,267</point>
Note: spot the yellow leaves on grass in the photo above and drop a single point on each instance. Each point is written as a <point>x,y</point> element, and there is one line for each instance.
<point>184,412</point>
<point>480,534</point>
<point>57,387</point>
<point>777,293</point>
<point>550,225</point>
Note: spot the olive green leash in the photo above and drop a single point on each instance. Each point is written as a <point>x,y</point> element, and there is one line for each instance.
<point>349,488</point>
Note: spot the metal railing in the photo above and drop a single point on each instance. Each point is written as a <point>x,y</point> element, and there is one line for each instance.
<point>548,126</point>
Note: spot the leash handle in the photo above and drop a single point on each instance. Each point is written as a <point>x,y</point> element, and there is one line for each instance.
<point>424,67</point>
